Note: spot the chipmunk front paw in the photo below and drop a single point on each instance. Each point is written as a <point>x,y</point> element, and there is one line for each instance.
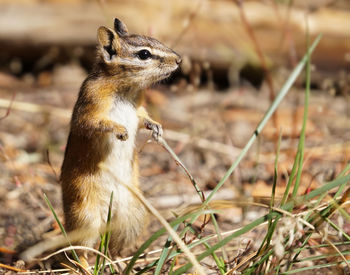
<point>157,130</point>
<point>121,133</point>
<point>109,126</point>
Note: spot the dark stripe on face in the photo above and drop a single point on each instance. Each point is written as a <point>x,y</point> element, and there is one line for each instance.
<point>161,59</point>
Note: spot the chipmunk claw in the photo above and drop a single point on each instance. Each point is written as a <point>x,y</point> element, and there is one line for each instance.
<point>157,129</point>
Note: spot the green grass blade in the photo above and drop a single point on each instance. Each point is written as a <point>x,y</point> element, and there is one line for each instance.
<point>164,254</point>
<point>341,188</point>
<point>105,237</point>
<point>108,233</point>
<point>317,192</point>
<point>311,218</point>
<point>219,262</point>
<point>298,270</point>
<point>299,250</point>
<point>345,214</point>
<point>76,258</point>
<point>275,176</point>
<point>301,145</point>
<point>293,76</point>
<point>291,178</point>
<point>325,245</point>
<point>336,227</point>
<point>97,261</point>
<point>218,233</point>
<point>298,162</point>
<point>323,256</point>
<point>271,224</point>
<point>252,269</point>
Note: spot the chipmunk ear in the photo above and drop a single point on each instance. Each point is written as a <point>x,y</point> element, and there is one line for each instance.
<point>120,27</point>
<point>109,43</point>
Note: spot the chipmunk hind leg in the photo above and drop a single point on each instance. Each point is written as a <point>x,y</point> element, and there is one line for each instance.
<point>127,229</point>
<point>84,229</point>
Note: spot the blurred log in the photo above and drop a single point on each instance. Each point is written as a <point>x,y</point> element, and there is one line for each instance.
<point>215,34</point>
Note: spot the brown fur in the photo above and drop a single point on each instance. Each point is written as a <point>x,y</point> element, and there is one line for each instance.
<point>119,77</point>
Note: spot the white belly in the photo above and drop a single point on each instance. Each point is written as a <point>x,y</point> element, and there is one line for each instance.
<point>120,157</point>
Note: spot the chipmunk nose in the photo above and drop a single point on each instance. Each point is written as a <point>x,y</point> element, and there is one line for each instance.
<point>178,60</point>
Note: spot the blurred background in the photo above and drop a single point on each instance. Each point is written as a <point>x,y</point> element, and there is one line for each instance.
<point>236,57</point>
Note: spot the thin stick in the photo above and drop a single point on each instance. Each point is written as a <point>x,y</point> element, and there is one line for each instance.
<point>161,141</point>
<point>189,21</point>
<point>260,54</point>
<point>70,268</point>
<point>6,250</point>
<point>12,268</point>
<point>245,260</point>
<point>9,106</point>
<point>50,164</point>
<point>337,250</point>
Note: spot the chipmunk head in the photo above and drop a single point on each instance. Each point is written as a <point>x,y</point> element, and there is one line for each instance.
<point>135,59</point>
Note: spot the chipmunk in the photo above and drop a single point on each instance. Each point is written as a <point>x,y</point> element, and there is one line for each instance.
<point>104,124</point>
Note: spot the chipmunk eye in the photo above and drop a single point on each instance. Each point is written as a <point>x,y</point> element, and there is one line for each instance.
<point>144,54</point>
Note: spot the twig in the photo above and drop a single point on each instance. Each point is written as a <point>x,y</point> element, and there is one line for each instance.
<point>104,9</point>
<point>83,268</point>
<point>260,54</point>
<point>241,263</point>
<point>70,268</point>
<point>9,106</point>
<point>337,250</point>
<point>287,35</point>
<point>50,164</point>
<point>188,23</point>
<point>161,141</point>
<point>49,271</point>
<point>6,250</point>
<point>12,268</point>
